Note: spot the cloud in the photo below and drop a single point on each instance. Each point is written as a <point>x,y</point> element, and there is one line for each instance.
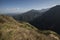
<point>10,10</point>
<point>13,10</point>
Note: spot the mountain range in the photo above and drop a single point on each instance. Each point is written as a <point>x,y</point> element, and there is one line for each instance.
<point>50,20</point>
<point>30,15</point>
<point>32,25</point>
<point>45,19</point>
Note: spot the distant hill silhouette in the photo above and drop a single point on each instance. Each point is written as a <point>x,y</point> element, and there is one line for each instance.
<point>29,15</point>
<point>50,20</point>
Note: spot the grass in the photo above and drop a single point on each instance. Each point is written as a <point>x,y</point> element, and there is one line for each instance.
<point>10,29</point>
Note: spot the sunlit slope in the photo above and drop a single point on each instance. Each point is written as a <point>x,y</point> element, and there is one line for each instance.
<point>13,30</point>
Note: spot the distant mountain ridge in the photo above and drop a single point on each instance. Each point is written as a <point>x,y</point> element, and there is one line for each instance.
<point>30,15</point>
<point>26,16</point>
<point>50,20</point>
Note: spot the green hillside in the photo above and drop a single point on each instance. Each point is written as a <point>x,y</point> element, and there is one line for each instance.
<point>10,29</point>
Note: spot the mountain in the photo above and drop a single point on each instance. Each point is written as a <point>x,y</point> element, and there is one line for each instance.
<point>10,29</point>
<point>44,10</point>
<point>30,15</point>
<point>50,20</point>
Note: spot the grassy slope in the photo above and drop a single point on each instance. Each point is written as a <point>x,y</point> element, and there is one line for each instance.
<point>12,30</point>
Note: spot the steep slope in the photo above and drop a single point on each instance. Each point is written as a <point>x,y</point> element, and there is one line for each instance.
<point>12,30</point>
<point>49,20</point>
<point>30,15</point>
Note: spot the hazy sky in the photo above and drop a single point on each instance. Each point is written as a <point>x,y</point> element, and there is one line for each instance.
<point>14,6</point>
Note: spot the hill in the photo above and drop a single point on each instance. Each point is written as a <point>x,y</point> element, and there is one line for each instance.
<point>50,20</point>
<point>29,15</point>
<point>10,29</point>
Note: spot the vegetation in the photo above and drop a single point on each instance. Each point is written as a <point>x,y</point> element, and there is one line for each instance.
<point>10,29</point>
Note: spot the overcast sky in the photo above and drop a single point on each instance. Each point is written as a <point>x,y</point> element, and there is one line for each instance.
<point>17,6</point>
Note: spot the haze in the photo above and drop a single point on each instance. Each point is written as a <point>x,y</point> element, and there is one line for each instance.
<point>19,6</point>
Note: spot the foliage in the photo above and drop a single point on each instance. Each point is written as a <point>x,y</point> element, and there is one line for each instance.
<point>13,30</point>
